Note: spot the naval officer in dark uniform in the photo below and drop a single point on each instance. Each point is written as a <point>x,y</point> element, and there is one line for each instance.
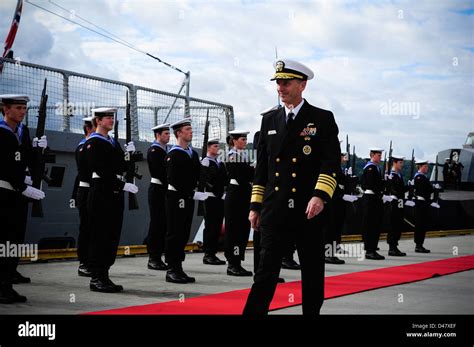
<point>14,190</point>
<point>237,201</point>
<point>423,202</point>
<point>80,194</point>
<point>397,190</point>
<point>156,197</point>
<point>297,160</point>
<point>372,203</point>
<point>213,181</point>
<point>182,172</point>
<point>106,161</point>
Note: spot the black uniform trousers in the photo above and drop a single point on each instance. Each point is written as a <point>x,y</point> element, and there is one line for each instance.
<point>213,217</point>
<point>335,224</point>
<point>237,224</point>
<point>308,237</point>
<point>179,218</point>
<point>373,214</point>
<point>13,211</point>
<point>157,229</point>
<point>396,222</point>
<point>83,240</point>
<point>105,208</point>
<point>421,221</point>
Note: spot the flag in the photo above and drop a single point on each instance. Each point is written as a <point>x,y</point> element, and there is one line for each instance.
<point>13,29</point>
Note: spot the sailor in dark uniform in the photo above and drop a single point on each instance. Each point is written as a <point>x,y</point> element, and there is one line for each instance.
<point>106,161</point>
<point>237,201</point>
<point>423,191</point>
<point>298,156</point>
<point>80,194</point>
<point>14,191</point>
<point>156,197</point>
<point>372,203</point>
<point>182,172</point>
<point>213,181</point>
<point>397,190</point>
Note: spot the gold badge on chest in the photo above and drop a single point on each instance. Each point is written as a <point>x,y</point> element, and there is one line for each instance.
<point>307,150</point>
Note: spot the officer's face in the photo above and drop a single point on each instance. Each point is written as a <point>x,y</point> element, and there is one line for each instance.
<point>106,122</point>
<point>240,143</point>
<point>398,165</point>
<point>424,168</point>
<point>376,157</point>
<point>213,149</point>
<point>186,133</point>
<point>164,137</point>
<point>15,112</point>
<point>290,91</point>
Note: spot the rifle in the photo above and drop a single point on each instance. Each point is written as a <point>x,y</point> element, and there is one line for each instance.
<point>388,167</point>
<point>206,136</point>
<point>131,158</point>
<point>38,173</point>
<point>348,150</point>
<point>411,188</point>
<point>354,161</point>
<point>116,130</point>
<point>436,190</point>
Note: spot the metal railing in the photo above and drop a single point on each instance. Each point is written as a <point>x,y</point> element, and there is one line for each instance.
<point>71,95</point>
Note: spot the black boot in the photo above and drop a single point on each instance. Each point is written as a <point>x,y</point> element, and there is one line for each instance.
<point>211,259</point>
<point>157,264</point>
<point>10,295</point>
<point>4,297</point>
<point>374,256</point>
<point>290,264</point>
<point>238,270</point>
<point>421,249</point>
<point>18,278</point>
<point>83,270</point>
<point>334,260</point>
<point>395,252</point>
<point>176,275</point>
<point>100,282</point>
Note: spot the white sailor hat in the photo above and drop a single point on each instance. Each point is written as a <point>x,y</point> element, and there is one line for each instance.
<point>398,157</point>
<point>238,133</point>
<point>448,158</point>
<point>421,162</point>
<point>103,111</point>
<point>181,123</point>
<point>11,99</point>
<point>270,109</point>
<point>214,141</point>
<point>161,127</point>
<point>287,69</point>
<point>376,150</point>
<point>88,119</point>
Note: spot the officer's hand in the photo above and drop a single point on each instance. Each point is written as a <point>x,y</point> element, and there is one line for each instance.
<point>435,205</point>
<point>315,206</point>
<point>130,187</point>
<point>409,203</point>
<point>33,193</point>
<point>254,218</point>
<point>28,180</point>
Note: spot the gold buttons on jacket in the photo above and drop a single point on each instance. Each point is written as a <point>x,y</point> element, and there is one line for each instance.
<point>277,189</point>
<point>277,174</point>
<point>277,160</point>
<point>293,190</point>
<point>293,175</point>
<point>293,160</point>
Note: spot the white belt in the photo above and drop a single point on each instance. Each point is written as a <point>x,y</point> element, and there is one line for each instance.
<point>6,185</point>
<point>369,191</point>
<point>394,197</point>
<point>156,181</point>
<point>84,184</point>
<point>234,182</point>
<point>170,187</point>
<point>211,195</point>
<point>420,198</point>
<point>95,175</point>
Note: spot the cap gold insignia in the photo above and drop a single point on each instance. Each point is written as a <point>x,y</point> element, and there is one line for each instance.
<point>279,66</point>
<point>307,150</point>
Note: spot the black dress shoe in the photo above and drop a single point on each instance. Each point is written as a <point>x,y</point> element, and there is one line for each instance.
<point>238,270</point>
<point>211,259</point>
<point>188,278</point>
<point>103,285</point>
<point>395,252</point>
<point>84,271</point>
<point>157,264</point>
<point>280,280</point>
<point>18,278</point>
<point>374,256</point>
<point>118,287</point>
<point>334,260</point>
<point>290,264</point>
<point>421,249</point>
<point>6,296</point>
<point>14,296</point>
<point>176,276</point>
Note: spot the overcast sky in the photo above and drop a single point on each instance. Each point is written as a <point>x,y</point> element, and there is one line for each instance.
<point>389,70</point>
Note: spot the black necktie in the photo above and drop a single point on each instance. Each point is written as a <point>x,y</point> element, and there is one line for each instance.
<point>289,120</point>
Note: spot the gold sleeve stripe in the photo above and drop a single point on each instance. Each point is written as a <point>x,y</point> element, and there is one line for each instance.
<point>326,181</point>
<point>258,187</point>
<point>325,188</point>
<point>257,198</point>
<point>331,179</point>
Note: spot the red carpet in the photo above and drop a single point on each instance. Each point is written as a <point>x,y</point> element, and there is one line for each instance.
<point>289,294</point>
